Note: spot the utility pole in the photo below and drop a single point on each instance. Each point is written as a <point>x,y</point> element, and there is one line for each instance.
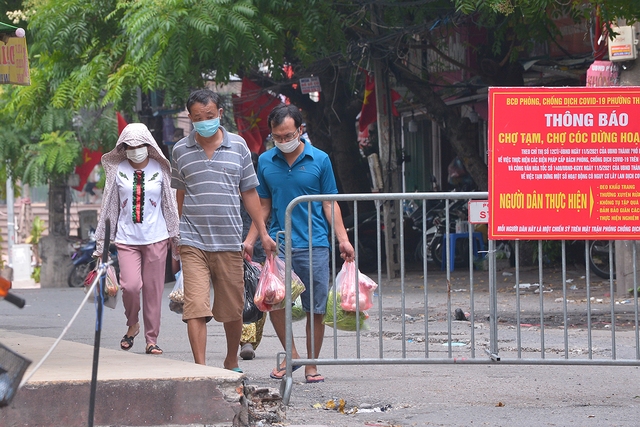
<point>387,147</point>
<point>11,225</point>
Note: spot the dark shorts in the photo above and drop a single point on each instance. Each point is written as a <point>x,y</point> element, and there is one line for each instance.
<point>320,285</point>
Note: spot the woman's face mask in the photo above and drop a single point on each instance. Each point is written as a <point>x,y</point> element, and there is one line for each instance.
<point>137,155</point>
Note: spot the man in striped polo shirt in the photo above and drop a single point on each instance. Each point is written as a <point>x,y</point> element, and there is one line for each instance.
<point>211,169</point>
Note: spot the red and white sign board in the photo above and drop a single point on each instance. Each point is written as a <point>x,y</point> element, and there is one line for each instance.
<point>310,84</point>
<point>564,163</point>
<point>478,211</point>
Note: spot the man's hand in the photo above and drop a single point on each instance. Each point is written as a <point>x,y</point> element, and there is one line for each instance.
<point>268,244</point>
<point>346,251</point>
<point>247,250</point>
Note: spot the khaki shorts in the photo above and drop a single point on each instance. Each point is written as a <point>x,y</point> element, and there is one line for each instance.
<point>225,271</point>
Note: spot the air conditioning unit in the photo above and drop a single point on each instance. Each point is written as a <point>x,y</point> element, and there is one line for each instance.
<point>624,46</point>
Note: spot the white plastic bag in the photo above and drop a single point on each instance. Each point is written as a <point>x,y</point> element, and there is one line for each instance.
<point>346,284</point>
<point>176,297</point>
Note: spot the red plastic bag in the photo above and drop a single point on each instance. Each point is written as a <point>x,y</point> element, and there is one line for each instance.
<point>270,293</point>
<point>346,280</point>
<point>91,276</point>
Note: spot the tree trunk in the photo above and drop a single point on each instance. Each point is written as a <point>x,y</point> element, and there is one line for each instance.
<point>331,125</point>
<point>54,247</point>
<point>459,130</point>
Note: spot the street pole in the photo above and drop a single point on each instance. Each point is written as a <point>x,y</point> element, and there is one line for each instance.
<point>11,233</point>
<point>386,144</point>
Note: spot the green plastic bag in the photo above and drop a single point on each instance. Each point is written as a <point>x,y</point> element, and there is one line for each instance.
<point>345,320</point>
<point>297,312</point>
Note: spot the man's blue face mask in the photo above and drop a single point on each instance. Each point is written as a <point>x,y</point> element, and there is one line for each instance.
<point>207,128</point>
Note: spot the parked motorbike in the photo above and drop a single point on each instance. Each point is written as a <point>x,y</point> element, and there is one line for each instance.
<point>435,232</point>
<point>83,262</point>
<point>368,230</point>
<point>599,258</point>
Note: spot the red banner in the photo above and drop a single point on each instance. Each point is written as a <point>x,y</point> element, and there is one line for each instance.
<point>564,163</point>
<point>89,160</point>
<point>251,110</point>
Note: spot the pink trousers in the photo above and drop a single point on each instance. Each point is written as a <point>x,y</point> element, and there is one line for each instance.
<point>142,268</point>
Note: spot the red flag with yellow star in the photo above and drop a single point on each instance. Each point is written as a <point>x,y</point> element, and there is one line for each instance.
<point>89,160</point>
<point>251,110</point>
<point>368,114</point>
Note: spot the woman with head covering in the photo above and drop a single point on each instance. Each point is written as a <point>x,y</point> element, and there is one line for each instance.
<point>140,204</point>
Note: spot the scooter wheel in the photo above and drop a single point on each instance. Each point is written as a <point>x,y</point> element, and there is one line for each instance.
<point>77,275</point>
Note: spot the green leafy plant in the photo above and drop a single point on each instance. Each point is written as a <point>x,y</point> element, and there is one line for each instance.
<point>35,275</point>
<point>37,228</point>
<point>551,251</point>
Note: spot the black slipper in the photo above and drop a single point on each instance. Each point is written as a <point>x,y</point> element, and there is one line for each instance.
<point>128,340</point>
<point>151,348</point>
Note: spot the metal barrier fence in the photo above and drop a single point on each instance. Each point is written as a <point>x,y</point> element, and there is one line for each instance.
<point>413,321</point>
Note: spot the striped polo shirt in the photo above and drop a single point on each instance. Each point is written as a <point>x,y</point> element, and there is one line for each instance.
<point>211,218</point>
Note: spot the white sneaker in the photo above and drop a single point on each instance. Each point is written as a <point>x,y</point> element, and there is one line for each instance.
<point>247,352</point>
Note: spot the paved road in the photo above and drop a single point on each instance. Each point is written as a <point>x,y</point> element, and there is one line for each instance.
<point>402,395</point>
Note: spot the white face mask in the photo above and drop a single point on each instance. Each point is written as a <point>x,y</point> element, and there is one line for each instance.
<point>138,155</point>
<point>289,146</point>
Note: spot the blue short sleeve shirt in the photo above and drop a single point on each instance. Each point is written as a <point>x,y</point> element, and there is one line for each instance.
<point>310,174</point>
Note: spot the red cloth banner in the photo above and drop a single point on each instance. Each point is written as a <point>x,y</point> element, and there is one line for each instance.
<point>251,110</point>
<point>564,163</point>
<point>92,158</point>
<point>89,160</point>
<point>369,114</point>
<point>122,123</point>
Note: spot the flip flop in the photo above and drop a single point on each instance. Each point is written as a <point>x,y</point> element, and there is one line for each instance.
<point>280,373</point>
<point>314,378</point>
<point>154,349</point>
<point>236,369</point>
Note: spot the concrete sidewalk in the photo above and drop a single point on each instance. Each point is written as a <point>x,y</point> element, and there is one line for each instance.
<point>132,389</point>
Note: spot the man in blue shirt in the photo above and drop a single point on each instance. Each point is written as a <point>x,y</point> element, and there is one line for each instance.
<point>291,169</point>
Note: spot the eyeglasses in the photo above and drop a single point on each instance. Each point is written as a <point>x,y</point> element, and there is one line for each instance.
<point>286,138</point>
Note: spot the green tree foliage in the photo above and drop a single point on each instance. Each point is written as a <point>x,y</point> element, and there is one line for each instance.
<point>532,9</point>
<point>91,54</point>
<point>100,52</point>
<point>532,19</point>
<point>53,156</point>
<point>36,148</point>
<point>33,120</point>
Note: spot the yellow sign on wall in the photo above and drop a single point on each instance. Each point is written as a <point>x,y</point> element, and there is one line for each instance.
<point>14,61</point>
